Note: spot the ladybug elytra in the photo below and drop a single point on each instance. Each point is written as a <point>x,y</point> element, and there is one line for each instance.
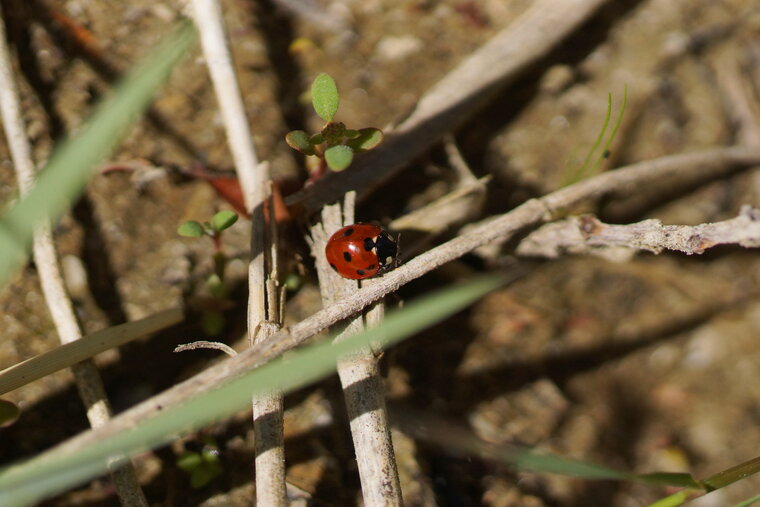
<point>360,251</point>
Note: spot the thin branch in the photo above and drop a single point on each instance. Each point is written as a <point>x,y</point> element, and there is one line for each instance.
<point>456,97</point>
<point>88,380</point>
<point>587,235</point>
<point>203,344</point>
<point>86,347</point>
<point>359,374</point>
<point>703,165</point>
<point>254,180</point>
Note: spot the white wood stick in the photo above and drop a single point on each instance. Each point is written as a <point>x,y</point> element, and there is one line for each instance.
<point>700,166</point>
<point>587,235</point>
<point>88,380</point>
<point>254,178</point>
<point>359,375</point>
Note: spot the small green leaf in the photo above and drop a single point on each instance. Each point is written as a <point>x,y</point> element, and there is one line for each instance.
<point>223,220</point>
<point>350,133</point>
<point>9,412</point>
<point>191,229</point>
<point>189,461</point>
<point>324,97</point>
<point>339,157</point>
<point>317,139</point>
<point>366,140</point>
<point>299,140</point>
<point>205,474</point>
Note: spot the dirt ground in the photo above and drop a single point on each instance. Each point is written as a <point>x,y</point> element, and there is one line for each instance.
<point>645,365</point>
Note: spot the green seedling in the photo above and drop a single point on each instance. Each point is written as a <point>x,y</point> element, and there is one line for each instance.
<point>335,145</point>
<point>203,466</point>
<point>212,320</point>
<point>589,168</point>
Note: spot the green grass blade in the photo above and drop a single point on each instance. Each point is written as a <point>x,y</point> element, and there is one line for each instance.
<point>614,132</point>
<point>581,171</point>
<point>733,474</point>
<point>64,176</point>
<point>748,502</point>
<point>674,500</point>
<point>54,471</point>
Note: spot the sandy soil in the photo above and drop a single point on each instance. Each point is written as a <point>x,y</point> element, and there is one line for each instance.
<point>645,365</point>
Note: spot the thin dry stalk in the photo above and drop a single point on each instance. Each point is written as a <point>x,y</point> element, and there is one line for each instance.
<point>86,347</point>
<point>206,345</point>
<point>254,178</point>
<point>88,380</point>
<point>699,166</point>
<point>456,97</point>
<point>359,374</point>
<point>587,235</point>
<point>268,416</point>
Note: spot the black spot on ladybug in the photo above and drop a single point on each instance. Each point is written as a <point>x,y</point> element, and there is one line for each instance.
<point>369,244</point>
<point>360,272</point>
<point>347,256</point>
<point>333,266</point>
<point>348,232</point>
<point>370,267</point>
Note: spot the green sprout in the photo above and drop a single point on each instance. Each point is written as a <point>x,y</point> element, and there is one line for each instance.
<point>335,145</point>
<point>212,320</point>
<point>587,168</point>
<point>203,466</point>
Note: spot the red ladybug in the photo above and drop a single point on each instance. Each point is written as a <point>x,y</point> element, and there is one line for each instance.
<point>361,251</point>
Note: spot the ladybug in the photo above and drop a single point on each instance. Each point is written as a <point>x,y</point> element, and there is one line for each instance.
<point>361,251</point>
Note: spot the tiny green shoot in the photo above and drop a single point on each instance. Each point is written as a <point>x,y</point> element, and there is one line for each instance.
<point>212,319</point>
<point>588,168</point>
<point>335,145</point>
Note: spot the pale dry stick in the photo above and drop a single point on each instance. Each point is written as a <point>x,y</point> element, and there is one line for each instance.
<point>88,380</point>
<point>699,166</point>
<point>86,347</point>
<point>587,235</point>
<point>268,409</point>
<point>254,178</point>
<point>456,97</point>
<point>359,374</point>
<point>205,344</point>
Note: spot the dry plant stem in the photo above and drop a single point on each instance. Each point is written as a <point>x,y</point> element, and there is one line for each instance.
<point>456,97</point>
<point>700,166</point>
<point>268,417</point>
<point>203,344</point>
<point>86,347</point>
<point>586,234</point>
<point>359,375</point>
<point>254,178</point>
<point>88,380</point>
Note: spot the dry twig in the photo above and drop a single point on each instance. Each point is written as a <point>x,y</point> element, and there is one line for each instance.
<point>456,97</point>
<point>587,235</point>
<point>203,344</point>
<point>263,319</point>
<point>704,165</point>
<point>88,380</point>
<point>359,374</point>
